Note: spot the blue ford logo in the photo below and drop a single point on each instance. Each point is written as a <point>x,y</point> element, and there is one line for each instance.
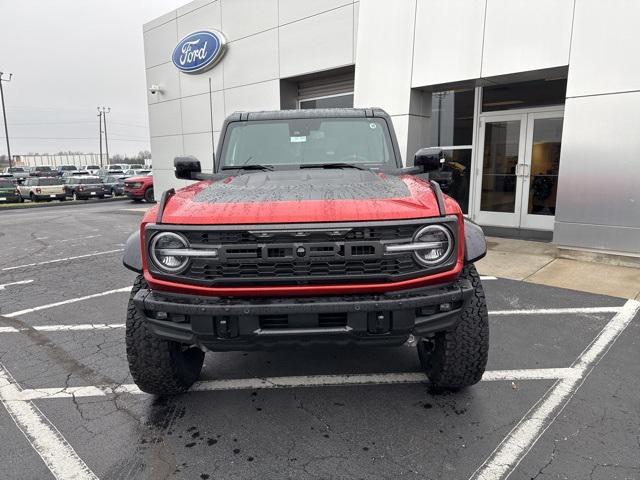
<point>199,51</point>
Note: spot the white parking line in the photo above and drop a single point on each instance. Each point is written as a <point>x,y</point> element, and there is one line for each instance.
<point>305,381</point>
<point>507,456</point>
<point>557,311</point>
<point>61,459</point>
<point>58,260</point>
<point>66,302</point>
<point>65,328</point>
<point>78,238</point>
<point>487,277</point>
<point>21,282</point>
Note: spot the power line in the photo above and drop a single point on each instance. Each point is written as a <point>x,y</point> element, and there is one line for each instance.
<point>81,138</point>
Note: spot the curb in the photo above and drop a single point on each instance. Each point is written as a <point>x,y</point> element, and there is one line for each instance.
<point>28,205</point>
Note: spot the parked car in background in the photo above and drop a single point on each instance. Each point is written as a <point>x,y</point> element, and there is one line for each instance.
<point>84,187</point>
<point>19,173</point>
<point>139,188</point>
<point>71,173</point>
<point>42,188</point>
<point>42,171</point>
<point>8,191</point>
<point>61,169</point>
<point>92,169</point>
<point>105,172</point>
<point>137,171</point>
<point>114,184</point>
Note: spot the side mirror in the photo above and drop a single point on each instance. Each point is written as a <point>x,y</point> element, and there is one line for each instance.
<point>186,167</point>
<point>429,159</point>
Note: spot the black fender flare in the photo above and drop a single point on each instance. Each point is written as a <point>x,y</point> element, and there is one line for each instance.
<point>475,245</point>
<point>132,257</point>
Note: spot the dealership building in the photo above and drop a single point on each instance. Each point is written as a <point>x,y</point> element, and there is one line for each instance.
<point>535,103</point>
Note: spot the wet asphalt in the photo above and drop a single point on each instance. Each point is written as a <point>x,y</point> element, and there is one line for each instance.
<point>367,431</point>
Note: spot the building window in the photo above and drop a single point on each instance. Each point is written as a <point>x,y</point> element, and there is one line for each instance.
<point>342,100</point>
<point>452,130</point>
<point>536,93</point>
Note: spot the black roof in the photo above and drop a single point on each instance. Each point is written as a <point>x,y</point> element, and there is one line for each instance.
<point>309,113</point>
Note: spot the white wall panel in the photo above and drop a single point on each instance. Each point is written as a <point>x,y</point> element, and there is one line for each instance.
<point>196,84</point>
<point>203,18</point>
<point>159,44</point>
<point>164,150</point>
<point>383,57</point>
<point>448,41</point>
<point>196,115</point>
<point>252,59</point>
<point>199,146</point>
<point>600,161</point>
<point>292,10</point>
<point>156,22</point>
<point>522,35</point>
<point>164,179</point>
<point>259,96</point>
<point>604,50</point>
<point>165,118</point>
<point>401,127</point>
<point>356,19</point>
<point>317,43</point>
<point>241,18</point>
<point>195,5</point>
<point>166,76</point>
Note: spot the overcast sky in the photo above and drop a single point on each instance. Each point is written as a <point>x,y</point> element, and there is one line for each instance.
<point>67,57</point>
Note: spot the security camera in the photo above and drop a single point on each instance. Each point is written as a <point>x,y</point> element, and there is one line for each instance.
<point>153,89</point>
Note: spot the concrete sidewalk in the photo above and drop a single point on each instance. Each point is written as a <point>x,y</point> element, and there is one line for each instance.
<point>546,264</point>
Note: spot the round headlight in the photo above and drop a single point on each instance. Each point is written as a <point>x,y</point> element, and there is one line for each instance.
<point>438,245</point>
<point>165,248</point>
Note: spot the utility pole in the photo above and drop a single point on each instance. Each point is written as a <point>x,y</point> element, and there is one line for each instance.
<point>104,111</point>
<point>4,113</point>
<point>100,133</point>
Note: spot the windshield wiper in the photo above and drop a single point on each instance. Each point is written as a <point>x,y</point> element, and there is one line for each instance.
<point>250,167</point>
<point>333,165</point>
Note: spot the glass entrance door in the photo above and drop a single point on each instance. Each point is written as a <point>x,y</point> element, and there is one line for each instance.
<point>500,160</point>
<point>518,169</point>
<point>540,170</point>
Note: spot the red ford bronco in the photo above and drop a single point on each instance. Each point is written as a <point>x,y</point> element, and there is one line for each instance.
<point>309,231</point>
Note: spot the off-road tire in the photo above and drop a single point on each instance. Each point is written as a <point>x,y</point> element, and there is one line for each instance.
<point>148,195</point>
<point>158,366</point>
<point>456,359</point>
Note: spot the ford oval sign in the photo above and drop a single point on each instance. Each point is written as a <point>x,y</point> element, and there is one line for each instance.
<point>199,51</point>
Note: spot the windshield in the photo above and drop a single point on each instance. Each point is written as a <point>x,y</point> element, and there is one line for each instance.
<point>5,183</point>
<point>292,143</point>
<point>49,181</point>
<point>68,167</point>
<point>15,169</point>
<point>43,169</point>
<point>89,180</point>
<point>92,167</point>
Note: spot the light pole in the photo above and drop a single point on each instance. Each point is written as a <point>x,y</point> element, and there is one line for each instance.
<point>100,133</point>
<point>103,111</point>
<point>4,113</point>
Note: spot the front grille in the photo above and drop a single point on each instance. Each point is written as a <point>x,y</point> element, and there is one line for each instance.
<point>300,255</point>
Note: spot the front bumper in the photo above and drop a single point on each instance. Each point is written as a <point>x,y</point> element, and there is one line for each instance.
<point>136,194</point>
<point>226,323</point>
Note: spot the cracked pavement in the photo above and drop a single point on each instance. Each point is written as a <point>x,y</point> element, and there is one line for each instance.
<point>366,431</point>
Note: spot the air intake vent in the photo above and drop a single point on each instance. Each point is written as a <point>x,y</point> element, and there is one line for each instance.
<point>274,321</point>
<point>361,250</point>
<point>332,320</point>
